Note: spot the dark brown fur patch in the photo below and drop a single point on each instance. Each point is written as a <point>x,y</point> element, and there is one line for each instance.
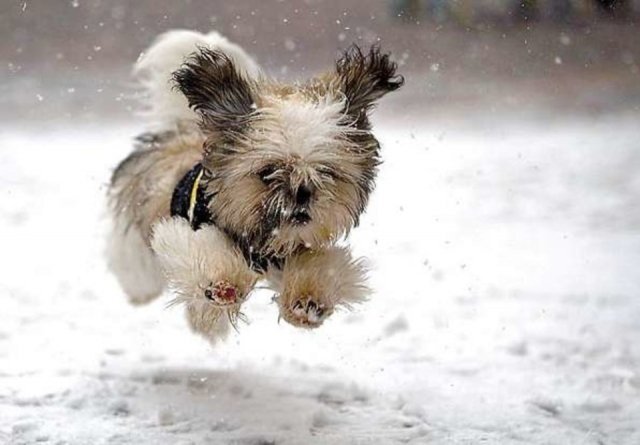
<point>216,90</point>
<point>365,78</point>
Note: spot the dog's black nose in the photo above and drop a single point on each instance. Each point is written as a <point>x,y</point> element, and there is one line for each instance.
<point>300,217</point>
<point>303,195</point>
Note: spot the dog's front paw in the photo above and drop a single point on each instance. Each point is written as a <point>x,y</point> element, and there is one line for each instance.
<point>223,293</point>
<point>304,312</point>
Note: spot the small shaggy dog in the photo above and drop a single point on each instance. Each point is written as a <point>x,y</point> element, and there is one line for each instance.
<point>243,179</point>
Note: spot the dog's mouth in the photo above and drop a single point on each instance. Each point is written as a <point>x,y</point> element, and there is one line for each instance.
<point>300,217</point>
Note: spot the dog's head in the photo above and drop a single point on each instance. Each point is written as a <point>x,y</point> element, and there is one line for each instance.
<point>288,165</point>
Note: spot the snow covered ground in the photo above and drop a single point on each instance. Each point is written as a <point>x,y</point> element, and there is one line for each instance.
<point>506,306</point>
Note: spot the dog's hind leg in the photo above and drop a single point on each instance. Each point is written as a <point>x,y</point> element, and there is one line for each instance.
<point>134,264</point>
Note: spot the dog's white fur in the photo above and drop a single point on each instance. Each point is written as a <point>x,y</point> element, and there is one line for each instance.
<point>304,127</point>
<point>192,259</point>
<point>133,263</point>
<point>166,106</point>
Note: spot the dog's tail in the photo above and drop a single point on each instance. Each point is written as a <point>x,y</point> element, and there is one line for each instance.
<point>164,104</point>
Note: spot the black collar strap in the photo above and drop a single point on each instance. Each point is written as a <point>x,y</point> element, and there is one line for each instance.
<point>189,199</point>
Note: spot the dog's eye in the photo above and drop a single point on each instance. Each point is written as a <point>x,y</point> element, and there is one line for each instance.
<point>266,173</point>
<point>329,173</point>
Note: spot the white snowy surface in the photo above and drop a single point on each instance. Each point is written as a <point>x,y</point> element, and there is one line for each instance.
<point>505,307</point>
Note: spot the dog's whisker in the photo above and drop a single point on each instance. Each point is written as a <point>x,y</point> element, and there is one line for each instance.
<point>174,302</point>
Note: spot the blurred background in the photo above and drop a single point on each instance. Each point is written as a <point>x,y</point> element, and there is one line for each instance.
<point>503,234</point>
<point>71,59</point>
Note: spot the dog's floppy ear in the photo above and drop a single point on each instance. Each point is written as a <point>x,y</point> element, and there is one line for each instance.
<point>365,78</point>
<point>216,90</point>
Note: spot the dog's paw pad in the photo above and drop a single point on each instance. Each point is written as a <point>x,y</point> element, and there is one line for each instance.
<point>306,312</point>
<point>222,293</point>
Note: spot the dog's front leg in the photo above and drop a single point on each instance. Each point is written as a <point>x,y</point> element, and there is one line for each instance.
<point>312,284</point>
<point>207,272</point>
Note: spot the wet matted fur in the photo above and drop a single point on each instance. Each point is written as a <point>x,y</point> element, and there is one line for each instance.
<point>287,170</point>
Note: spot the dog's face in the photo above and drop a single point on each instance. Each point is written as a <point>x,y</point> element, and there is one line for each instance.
<point>288,166</point>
